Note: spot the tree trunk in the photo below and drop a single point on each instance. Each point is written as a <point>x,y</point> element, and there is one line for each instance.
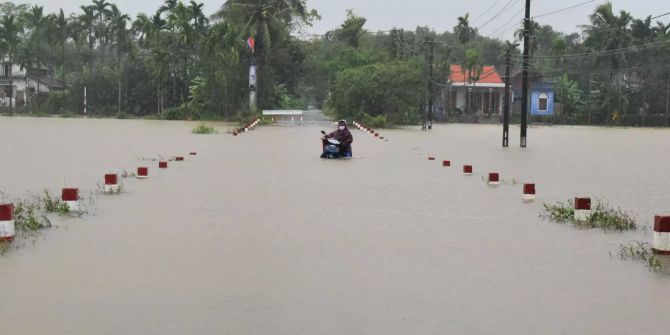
<point>11,84</point>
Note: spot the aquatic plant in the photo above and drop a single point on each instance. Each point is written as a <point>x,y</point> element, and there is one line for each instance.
<point>27,217</point>
<point>53,204</point>
<point>641,251</point>
<point>203,129</point>
<point>602,216</point>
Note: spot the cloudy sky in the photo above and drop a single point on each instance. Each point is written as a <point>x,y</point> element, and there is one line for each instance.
<point>439,14</point>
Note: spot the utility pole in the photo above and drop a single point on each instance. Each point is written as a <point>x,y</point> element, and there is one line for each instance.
<point>431,96</point>
<point>667,104</point>
<point>588,106</point>
<point>508,65</point>
<point>524,74</point>
<point>395,44</point>
<point>252,84</point>
<point>85,105</point>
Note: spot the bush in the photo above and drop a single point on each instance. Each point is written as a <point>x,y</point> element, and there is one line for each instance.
<point>203,130</point>
<point>379,121</point>
<point>176,113</point>
<point>393,91</point>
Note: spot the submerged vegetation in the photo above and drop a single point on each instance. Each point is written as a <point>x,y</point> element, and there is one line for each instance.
<point>641,251</point>
<point>31,214</point>
<point>203,129</point>
<point>602,216</point>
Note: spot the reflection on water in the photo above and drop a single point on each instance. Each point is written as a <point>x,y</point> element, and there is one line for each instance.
<point>256,235</point>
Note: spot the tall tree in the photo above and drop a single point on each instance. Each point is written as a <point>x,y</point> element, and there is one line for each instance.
<point>120,36</point>
<point>10,39</point>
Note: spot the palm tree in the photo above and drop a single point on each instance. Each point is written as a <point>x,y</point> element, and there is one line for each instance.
<point>268,21</point>
<point>609,32</point>
<point>10,37</point>
<point>149,29</point>
<point>464,32</point>
<point>59,35</point>
<point>102,13</point>
<point>29,54</point>
<point>121,38</point>
<point>472,68</point>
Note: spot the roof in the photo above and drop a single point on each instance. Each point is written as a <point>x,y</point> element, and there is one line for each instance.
<point>489,76</point>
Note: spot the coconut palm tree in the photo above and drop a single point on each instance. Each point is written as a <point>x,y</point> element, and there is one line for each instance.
<point>11,30</point>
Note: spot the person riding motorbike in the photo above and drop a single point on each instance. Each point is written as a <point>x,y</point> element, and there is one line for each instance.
<point>343,135</point>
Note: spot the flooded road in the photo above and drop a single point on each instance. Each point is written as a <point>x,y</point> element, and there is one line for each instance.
<point>257,235</point>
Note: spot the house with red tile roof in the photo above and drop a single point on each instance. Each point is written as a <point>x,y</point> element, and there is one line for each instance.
<point>480,92</point>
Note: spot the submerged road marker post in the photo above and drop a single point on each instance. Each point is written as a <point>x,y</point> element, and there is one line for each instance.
<point>661,240</point>
<point>431,158</point>
<point>582,209</point>
<point>494,179</point>
<point>7,228</point>
<point>162,165</point>
<point>142,172</point>
<point>528,192</point>
<point>446,163</point>
<point>179,159</point>
<point>112,183</point>
<point>467,170</point>
<point>70,196</point>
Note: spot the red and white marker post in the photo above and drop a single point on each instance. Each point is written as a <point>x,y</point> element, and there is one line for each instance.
<point>112,183</point>
<point>162,165</point>
<point>528,192</point>
<point>661,242</point>
<point>142,172</point>
<point>494,179</point>
<point>467,170</point>
<point>582,209</point>
<point>7,228</point>
<point>446,163</point>
<point>70,196</point>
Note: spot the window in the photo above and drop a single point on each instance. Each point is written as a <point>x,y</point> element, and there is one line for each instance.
<point>6,68</point>
<point>543,102</point>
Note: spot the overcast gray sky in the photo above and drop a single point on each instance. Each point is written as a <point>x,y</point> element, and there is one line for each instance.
<point>439,14</point>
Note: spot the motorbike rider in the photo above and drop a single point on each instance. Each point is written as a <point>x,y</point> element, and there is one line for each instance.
<point>343,135</point>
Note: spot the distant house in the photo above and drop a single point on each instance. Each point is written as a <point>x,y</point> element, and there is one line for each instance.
<point>481,97</point>
<point>541,91</point>
<point>542,99</point>
<point>25,84</point>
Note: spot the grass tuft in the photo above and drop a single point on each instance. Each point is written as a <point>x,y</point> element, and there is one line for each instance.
<point>203,130</point>
<point>602,216</point>
<point>642,252</point>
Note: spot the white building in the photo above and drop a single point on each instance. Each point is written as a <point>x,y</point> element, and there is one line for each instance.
<point>26,86</point>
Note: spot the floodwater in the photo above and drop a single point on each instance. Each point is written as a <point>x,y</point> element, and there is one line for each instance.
<point>257,235</point>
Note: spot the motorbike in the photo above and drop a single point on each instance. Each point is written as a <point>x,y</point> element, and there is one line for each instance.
<point>331,148</point>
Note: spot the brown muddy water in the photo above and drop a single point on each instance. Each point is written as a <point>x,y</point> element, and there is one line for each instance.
<point>257,235</point>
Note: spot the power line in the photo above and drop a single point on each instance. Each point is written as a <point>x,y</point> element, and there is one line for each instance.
<point>486,11</point>
<point>609,52</point>
<point>662,15</point>
<point>507,6</point>
<point>564,9</point>
<point>499,30</point>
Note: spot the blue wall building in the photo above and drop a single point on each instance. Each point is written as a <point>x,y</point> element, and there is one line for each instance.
<point>542,99</point>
